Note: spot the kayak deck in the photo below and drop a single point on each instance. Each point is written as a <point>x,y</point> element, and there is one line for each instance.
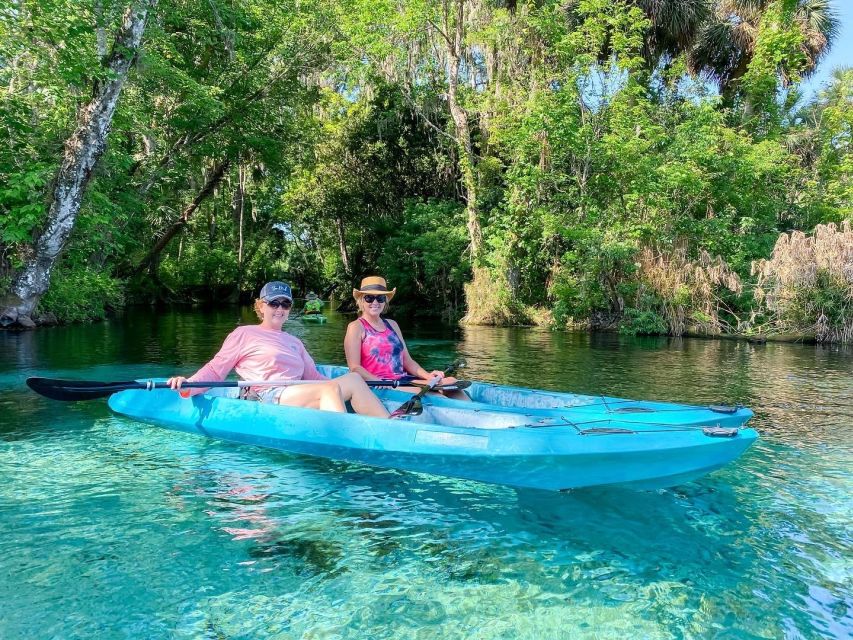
<point>578,408</point>
<point>499,447</point>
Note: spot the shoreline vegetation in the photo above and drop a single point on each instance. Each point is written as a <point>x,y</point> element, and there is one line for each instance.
<point>50,320</point>
<point>632,166</point>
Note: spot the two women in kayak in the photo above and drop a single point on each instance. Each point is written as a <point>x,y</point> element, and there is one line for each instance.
<point>374,348</point>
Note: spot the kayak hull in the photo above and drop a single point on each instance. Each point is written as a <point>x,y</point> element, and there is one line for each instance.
<point>495,447</point>
<point>315,318</point>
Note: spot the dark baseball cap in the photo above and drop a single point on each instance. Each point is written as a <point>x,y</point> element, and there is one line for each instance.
<point>274,290</point>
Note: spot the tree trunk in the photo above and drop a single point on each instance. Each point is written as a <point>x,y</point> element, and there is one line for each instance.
<point>83,150</point>
<point>342,242</point>
<point>463,131</point>
<point>211,243</point>
<point>100,30</point>
<point>212,182</point>
<point>239,206</point>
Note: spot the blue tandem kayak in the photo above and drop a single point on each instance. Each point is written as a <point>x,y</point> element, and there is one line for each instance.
<point>515,448</point>
<point>578,408</point>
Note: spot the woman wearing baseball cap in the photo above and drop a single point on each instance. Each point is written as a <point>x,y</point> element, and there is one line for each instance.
<point>265,352</point>
<point>374,345</point>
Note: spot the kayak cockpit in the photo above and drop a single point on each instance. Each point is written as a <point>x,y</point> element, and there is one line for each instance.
<point>459,417</point>
<point>437,415</point>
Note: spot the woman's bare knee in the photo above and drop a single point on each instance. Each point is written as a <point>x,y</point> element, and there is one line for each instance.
<point>323,395</point>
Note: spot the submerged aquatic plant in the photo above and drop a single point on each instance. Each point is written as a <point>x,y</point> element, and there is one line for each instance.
<point>807,284</point>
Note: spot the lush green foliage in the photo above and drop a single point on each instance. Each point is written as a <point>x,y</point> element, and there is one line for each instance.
<point>79,292</point>
<point>600,133</point>
<point>424,258</point>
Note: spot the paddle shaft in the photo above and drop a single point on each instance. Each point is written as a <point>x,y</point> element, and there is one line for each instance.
<point>401,382</point>
<point>73,390</point>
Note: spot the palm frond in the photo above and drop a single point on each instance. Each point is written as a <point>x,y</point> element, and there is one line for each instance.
<point>819,23</point>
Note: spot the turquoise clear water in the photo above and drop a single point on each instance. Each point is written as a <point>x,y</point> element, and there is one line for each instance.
<point>111,528</point>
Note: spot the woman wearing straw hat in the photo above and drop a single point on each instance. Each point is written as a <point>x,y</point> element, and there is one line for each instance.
<point>374,345</point>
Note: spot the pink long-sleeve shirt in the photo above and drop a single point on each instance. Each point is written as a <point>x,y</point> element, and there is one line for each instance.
<point>257,353</point>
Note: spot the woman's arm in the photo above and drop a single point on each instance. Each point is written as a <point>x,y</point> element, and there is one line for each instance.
<point>352,350</point>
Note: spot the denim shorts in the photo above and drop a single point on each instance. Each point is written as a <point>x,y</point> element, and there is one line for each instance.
<point>270,395</point>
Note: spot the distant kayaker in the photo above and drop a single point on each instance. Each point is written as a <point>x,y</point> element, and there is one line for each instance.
<point>374,345</point>
<point>313,304</point>
<point>265,352</point>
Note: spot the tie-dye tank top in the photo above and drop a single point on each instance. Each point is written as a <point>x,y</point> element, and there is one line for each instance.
<point>382,351</point>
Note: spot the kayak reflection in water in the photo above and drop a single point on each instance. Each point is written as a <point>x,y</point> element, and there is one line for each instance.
<point>265,352</point>
<point>374,345</point>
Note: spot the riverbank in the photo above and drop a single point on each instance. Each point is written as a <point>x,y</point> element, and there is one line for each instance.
<point>49,320</point>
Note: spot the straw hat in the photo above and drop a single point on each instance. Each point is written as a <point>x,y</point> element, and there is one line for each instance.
<point>373,285</point>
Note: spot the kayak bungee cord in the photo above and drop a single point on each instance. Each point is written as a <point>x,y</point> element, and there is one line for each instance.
<point>708,430</point>
<point>716,408</point>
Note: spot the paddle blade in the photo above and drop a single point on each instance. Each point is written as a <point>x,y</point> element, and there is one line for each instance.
<point>413,407</point>
<point>71,390</point>
<point>456,365</point>
<point>417,407</point>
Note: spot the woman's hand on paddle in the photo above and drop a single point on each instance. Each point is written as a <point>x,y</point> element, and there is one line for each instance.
<point>176,382</point>
<point>444,379</point>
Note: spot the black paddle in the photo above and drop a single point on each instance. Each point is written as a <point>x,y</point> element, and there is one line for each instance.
<point>71,390</point>
<point>414,406</point>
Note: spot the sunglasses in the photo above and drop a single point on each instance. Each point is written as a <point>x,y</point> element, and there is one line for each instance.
<point>284,304</point>
<point>369,299</point>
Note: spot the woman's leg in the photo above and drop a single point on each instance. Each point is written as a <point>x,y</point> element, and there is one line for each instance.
<point>325,396</point>
<point>331,395</point>
<point>458,394</point>
<point>354,390</point>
